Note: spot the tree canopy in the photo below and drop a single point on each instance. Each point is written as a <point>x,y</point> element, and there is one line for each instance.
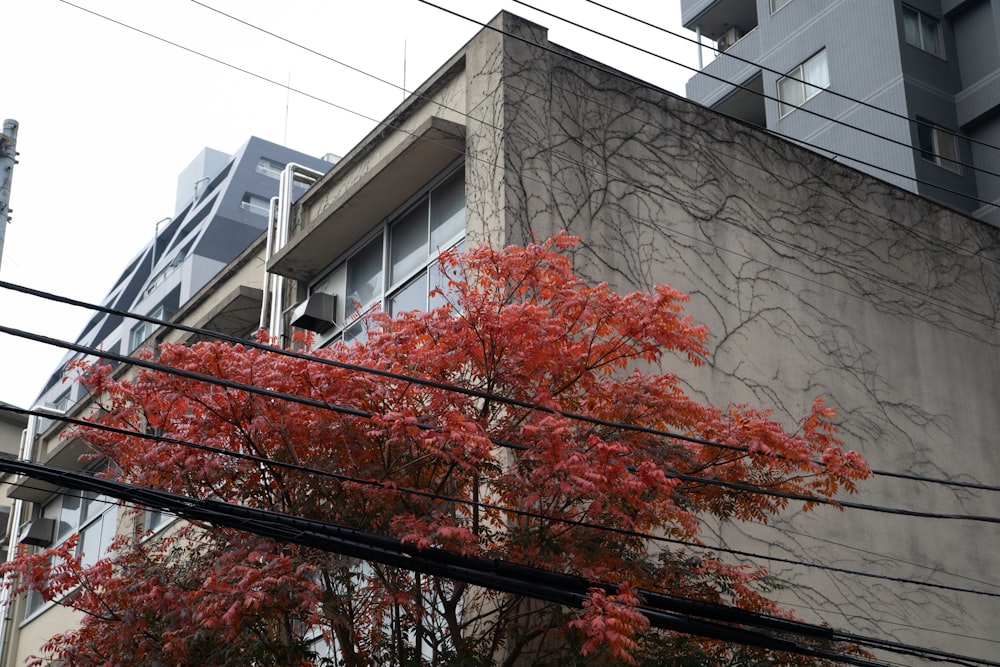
<point>505,470</point>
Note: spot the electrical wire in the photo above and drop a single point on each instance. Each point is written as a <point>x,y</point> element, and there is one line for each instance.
<point>486,122</point>
<point>662,610</point>
<point>978,316</point>
<point>433,384</point>
<point>732,56</point>
<point>240,386</point>
<point>765,96</point>
<point>476,504</point>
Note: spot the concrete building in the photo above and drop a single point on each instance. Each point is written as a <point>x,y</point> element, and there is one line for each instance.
<point>907,91</point>
<point>815,279</point>
<point>223,208</point>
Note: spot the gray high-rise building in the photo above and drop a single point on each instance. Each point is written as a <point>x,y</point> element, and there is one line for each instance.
<point>909,92</point>
<point>222,206</point>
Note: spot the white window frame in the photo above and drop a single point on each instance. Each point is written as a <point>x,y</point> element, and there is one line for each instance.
<point>923,20</point>
<point>801,81</point>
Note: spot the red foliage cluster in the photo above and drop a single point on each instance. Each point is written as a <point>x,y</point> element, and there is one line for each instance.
<point>518,324</point>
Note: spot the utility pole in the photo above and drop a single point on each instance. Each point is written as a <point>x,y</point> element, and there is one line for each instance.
<point>8,158</point>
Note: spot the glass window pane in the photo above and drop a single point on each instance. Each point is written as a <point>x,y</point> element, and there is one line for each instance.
<point>96,538</point>
<point>364,276</point>
<point>439,281</point>
<point>69,516</point>
<point>408,242</point>
<point>925,142</point>
<point>357,332</point>
<point>790,91</point>
<point>816,73</point>
<point>447,211</point>
<point>930,35</point>
<point>411,297</point>
<point>911,27</point>
<point>947,150</point>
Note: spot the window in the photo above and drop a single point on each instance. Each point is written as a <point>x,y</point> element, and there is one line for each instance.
<point>778,4</point>
<point>269,167</point>
<point>922,31</point>
<point>91,515</point>
<point>803,83</point>
<point>938,146</point>
<point>143,330</point>
<point>255,204</point>
<point>63,401</point>
<point>397,267</point>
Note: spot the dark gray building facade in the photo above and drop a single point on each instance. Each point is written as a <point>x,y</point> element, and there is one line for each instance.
<point>222,207</point>
<point>906,91</point>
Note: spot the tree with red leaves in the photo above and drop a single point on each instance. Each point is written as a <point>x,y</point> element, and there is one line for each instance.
<point>505,470</point>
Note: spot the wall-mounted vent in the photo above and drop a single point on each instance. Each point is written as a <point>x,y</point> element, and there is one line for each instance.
<point>315,313</point>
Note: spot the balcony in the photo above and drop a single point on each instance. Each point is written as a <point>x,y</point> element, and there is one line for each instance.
<point>714,85</point>
<point>725,20</point>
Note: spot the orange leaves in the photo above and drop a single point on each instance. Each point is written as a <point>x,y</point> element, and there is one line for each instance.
<point>503,470</point>
<point>610,622</point>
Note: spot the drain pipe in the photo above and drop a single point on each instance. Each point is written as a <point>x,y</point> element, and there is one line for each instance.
<point>26,452</point>
<point>279,223</point>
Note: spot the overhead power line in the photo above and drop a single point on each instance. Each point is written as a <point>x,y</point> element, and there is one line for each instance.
<point>800,107</point>
<point>347,410</point>
<point>973,316</point>
<point>479,504</point>
<point>485,122</point>
<point>664,611</point>
<point>433,384</point>
<point>831,91</point>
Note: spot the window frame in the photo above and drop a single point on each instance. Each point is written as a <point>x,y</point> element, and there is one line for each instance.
<point>797,77</point>
<point>931,139</point>
<point>922,19</point>
<point>84,521</point>
<point>778,5</point>
<point>353,326</point>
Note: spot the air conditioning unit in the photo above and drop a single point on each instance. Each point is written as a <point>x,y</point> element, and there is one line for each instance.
<point>316,313</point>
<point>729,38</point>
<point>39,532</point>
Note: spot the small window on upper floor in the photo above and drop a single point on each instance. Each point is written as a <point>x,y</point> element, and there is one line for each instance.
<point>803,83</point>
<point>922,31</point>
<point>255,204</point>
<point>269,167</point>
<point>778,4</point>
<point>938,146</point>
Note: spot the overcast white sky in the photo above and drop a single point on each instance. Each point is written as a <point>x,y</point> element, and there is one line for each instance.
<point>110,116</point>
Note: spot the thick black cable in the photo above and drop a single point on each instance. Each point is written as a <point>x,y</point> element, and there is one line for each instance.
<point>475,504</point>
<point>663,611</point>
<point>800,107</point>
<point>746,61</point>
<point>270,393</point>
<point>433,384</point>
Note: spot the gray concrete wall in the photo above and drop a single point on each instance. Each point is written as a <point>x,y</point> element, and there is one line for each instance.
<point>816,280</point>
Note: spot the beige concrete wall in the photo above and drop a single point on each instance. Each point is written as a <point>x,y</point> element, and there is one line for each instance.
<point>816,280</point>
